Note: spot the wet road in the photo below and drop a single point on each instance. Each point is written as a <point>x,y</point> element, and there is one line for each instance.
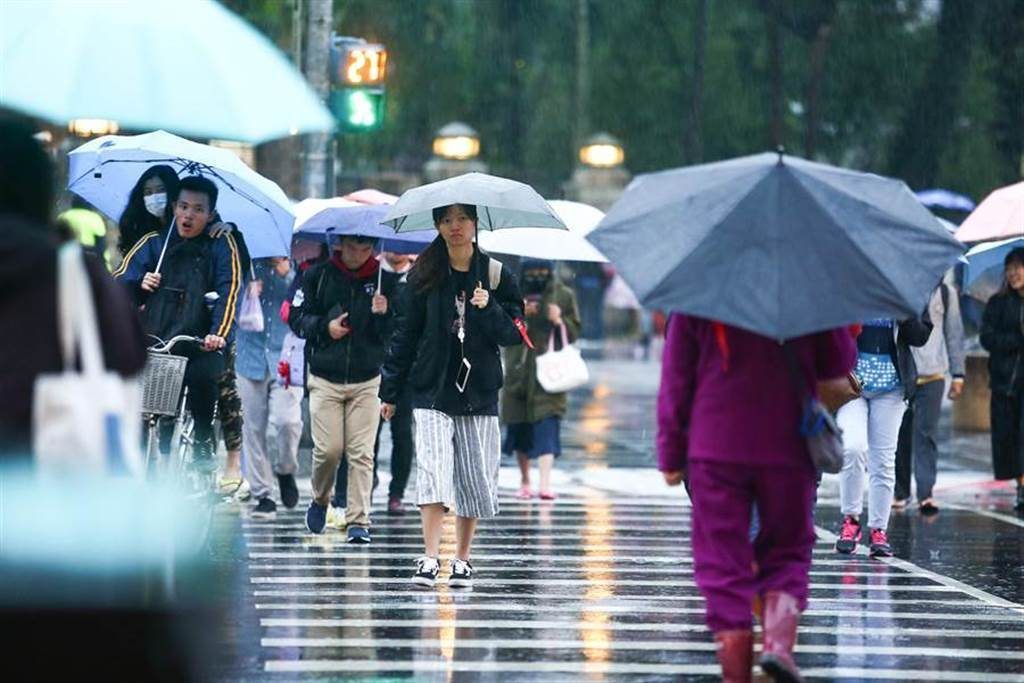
<point>598,586</point>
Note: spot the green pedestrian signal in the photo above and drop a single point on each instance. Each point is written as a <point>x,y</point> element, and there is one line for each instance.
<point>358,109</point>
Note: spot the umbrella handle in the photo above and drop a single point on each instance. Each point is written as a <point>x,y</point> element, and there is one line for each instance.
<point>380,277</point>
<point>163,251</point>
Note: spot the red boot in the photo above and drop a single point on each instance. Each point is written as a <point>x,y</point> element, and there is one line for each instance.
<point>781,618</point>
<point>735,651</point>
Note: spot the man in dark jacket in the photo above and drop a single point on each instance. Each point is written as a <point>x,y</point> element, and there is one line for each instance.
<point>28,291</point>
<point>169,275</point>
<point>342,311</point>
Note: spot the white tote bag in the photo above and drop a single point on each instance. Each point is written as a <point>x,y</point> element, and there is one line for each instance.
<point>562,370</point>
<point>86,421</point>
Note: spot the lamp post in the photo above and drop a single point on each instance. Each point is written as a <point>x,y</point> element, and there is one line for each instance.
<point>600,177</point>
<point>456,147</point>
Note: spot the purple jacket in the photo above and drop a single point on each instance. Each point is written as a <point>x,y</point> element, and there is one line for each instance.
<point>739,406</point>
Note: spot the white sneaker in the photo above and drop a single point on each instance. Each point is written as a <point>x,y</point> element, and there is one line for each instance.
<point>462,574</point>
<point>335,517</point>
<point>426,571</point>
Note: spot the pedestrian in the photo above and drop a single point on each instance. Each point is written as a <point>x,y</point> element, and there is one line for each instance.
<point>1002,335</point>
<point>173,300</point>
<point>28,290</point>
<point>459,308</point>
<point>342,310</point>
<point>729,423</point>
<point>871,425</point>
<point>267,402</point>
<point>532,414</point>
<point>917,451</point>
<point>150,206</point>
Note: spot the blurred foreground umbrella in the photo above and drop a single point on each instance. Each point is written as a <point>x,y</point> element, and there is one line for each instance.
<point>190,66</point>
<point>945,199</point>
<point>315,218</point>
<point>984,273</point>
<point>548,244</point>
<point>103,172</point>
<point>999,216</point>
<point>776,245</point>
<point>500,203</point>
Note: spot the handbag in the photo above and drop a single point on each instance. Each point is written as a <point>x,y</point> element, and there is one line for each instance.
<point>819,429</point>
<point>88,420</point>
<point>291,370</point>
<point>836,393</point>
<point>562,370</point>
<point>250,315</point>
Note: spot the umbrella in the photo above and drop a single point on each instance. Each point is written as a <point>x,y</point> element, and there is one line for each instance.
<point>500,203</point>
<point>776,245</point>
<point>103,171</point>
<point>945,199</point>
<point>190,66</point>
<point>371,196</point>
<point>548,244</point>
<point>984,273</point>
<point>340,216</point>
<point>999,216</point>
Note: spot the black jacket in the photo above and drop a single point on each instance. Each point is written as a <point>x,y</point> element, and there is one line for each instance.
<point>421,346</point>
<point>325,294</point>
<point>1002,335</point>
<point>914,332</point>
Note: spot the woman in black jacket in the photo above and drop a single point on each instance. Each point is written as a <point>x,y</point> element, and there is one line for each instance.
<point>1002,335</point>
<point>460,306</point>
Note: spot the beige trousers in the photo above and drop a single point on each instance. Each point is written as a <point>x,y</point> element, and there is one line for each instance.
<point>344,420</point>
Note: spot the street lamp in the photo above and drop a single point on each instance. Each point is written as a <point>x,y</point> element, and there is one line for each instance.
<point>457,141</point>
<point>602,151</point>
<point>88,127</point>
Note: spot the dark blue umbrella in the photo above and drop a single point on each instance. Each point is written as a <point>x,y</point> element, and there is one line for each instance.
<point>318,218</point>
<point>945,199</point>
<point>776,245</point>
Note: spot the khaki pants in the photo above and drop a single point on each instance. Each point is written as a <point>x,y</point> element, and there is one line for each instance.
<point>344,420</point>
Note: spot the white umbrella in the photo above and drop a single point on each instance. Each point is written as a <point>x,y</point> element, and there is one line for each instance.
<point>104,171</point>
<point>548,244</point>
<point>190,66</point>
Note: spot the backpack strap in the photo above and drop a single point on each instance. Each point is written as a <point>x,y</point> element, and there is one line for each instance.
<point>493,272</point>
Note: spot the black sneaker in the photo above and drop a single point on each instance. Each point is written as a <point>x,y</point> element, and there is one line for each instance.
<point>266,508</point>
<point>462,574</point>
<point>289,491</point>
<point>358,534</point>
<point>426,571</point>
<point>316,517</point>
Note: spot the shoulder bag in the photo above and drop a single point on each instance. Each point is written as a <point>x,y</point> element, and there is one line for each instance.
<point>817,426</point>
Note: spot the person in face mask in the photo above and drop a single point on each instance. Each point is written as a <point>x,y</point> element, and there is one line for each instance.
<point>533,415</point>
<point>149,207</point>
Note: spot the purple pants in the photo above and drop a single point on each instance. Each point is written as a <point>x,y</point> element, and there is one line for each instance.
<point>723,556</point>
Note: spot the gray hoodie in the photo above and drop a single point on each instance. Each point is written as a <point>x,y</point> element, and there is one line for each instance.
<point>944,353</point>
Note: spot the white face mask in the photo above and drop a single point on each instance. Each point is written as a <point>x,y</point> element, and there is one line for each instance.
<point>156,203</point>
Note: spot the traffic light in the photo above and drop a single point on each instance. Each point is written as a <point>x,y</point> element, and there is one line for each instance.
<point>358,74</point>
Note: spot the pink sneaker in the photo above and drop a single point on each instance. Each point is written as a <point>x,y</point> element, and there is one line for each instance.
<point>524,493</point>
<point>849,535</point>
<point>879,544</point>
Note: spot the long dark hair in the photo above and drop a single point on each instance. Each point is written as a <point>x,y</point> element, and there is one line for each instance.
<point>1016,255</point>
<point>431,266</point>
<point>136,221</point>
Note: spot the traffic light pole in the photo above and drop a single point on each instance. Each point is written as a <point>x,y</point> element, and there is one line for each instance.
<point>318,152</point>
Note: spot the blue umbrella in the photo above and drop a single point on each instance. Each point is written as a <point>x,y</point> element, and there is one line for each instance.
<point>319,218</point>
<point>776,245</point>
<point>945,199</point>
<point>983,275</point>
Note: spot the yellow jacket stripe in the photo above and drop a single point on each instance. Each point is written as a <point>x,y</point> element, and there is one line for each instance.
<point>229,310</point>
<point>131,253</point>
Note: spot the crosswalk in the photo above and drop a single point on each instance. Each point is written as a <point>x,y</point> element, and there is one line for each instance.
<point>591,588</point>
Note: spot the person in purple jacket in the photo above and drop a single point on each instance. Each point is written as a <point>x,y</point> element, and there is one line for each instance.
<point>728,423</point>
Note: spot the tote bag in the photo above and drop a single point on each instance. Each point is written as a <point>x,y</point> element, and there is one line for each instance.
<point>86,421</point>
<point>562,370</point>
<point>250,315</point>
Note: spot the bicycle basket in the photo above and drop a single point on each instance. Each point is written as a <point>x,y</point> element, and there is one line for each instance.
<point>161,383</point>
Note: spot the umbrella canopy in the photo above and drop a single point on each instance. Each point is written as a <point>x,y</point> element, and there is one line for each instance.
<point>945,199</point>
<point>341,216</point>
<point>500,203</point>
<point>984,273</point>
<point>999,216</point>
<point>104,171</point>
<point>371,196</point>
<point>548,244</point>
<point>190,66</point>
<point>776,245</point>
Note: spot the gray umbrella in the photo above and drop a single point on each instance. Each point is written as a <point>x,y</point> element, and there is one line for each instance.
<point>776,245</point>
<point>500,203</point>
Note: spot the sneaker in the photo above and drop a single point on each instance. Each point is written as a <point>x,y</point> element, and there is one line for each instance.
<point>426,571</point>
<point>849,535</point>
<point>265,509</point>
<point>395,506</point>
<point>336,518</point>
<point>928,507</point>
<point>316,517</point>
<point>879,544</point>
<point>289,491</point>
<point>524,493</point>
<point>462,574</point>
<point>358,534</point>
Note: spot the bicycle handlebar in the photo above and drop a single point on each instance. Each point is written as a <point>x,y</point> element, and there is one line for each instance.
<point>164,347</point>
